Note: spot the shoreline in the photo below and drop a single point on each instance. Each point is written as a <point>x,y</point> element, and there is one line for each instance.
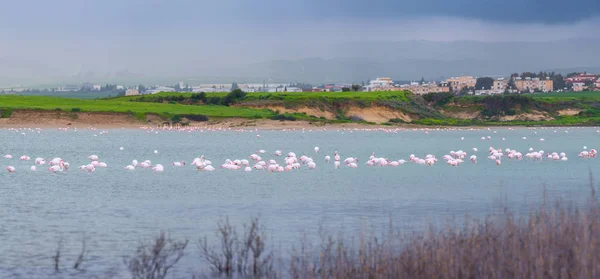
<point>113,120</point>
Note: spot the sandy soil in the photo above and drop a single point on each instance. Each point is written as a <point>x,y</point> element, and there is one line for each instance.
<point>461,115</point>
<point>533,116</point>
<point>309,111</point>
<point>568,112</point>
<point>56,119</point>
<point>377,114</point>
<point>30,118</point>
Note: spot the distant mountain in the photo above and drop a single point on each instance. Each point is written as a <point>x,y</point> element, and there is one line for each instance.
<point>412,60</point>
<point>592,70</point>
<point>325,62</point>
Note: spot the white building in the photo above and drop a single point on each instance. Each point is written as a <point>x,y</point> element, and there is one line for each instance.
<point>578,86</point>
<point>380,84</point>
<point>132,92</point>
<point>160,89</point>
<point>294,89</point>
<point>97,87</point>
<point>204,89</point>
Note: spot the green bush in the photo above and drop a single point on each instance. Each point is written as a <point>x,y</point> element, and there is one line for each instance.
<point>75,110</point>
<point>397,120</point>
<point>232,97</point>
<point>176,118</point>
<point>199,97</point>
<point>196,117</point>
<point>214,100</point>
<point>439,99</point>
<point>282,117</point>
<point>140,116</point>
<point>6,112</point>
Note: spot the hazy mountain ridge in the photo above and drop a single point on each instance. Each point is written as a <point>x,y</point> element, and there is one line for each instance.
<point>348,62</point>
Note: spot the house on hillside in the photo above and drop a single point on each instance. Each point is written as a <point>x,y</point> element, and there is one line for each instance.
<point>581,78</point>
<point>425,88</point>
<point>597,84</point>
<point>380,84</point>
<point>458,83</point>
<point>534,84</point>
<point>578,86</point>
<point>500,84</point>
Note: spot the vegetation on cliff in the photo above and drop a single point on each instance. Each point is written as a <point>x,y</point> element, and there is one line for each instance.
<point>378,107</point>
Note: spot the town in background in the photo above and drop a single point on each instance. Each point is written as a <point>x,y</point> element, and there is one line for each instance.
<point>526,82</point>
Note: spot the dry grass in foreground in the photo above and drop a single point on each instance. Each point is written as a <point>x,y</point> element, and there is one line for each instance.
<point>561,240</point>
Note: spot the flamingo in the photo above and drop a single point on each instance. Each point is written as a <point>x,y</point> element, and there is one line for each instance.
<point>90,168</point>
<point>130,168</point>
<point>258,167</point>
<point>158,168</point>
<point>336,164</point>
<point>179,164</point>
<point>25,158</point>
<point>350,160</point>
<point>209,168</point>
<point>11,169</point>
<point>55,161</point>
<point>327,159</point>
<point>33,168</point>
<point>7,156</point>
<point>473,159</point>
<point>316,149</point>
<point>55,169</point>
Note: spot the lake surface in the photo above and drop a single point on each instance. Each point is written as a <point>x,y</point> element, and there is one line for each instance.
<point>115,209</point>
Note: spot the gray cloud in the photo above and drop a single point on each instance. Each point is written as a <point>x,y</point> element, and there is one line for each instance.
<point>50,40</point>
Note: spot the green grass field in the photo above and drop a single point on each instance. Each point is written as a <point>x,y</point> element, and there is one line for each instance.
<point>366,96</point>
<point>566,94</point>
<point>125,106</point>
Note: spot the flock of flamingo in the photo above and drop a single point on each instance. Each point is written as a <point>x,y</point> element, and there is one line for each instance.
<point>255,161</point>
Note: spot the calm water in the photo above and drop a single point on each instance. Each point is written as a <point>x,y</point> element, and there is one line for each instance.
<point>115,209</point>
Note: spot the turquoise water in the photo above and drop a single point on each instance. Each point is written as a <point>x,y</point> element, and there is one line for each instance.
<point>115,209</point>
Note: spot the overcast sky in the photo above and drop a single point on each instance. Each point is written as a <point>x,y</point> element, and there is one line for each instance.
<point>162,37</point>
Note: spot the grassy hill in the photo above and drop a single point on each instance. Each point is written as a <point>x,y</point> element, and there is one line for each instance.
<point>581,108</point>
